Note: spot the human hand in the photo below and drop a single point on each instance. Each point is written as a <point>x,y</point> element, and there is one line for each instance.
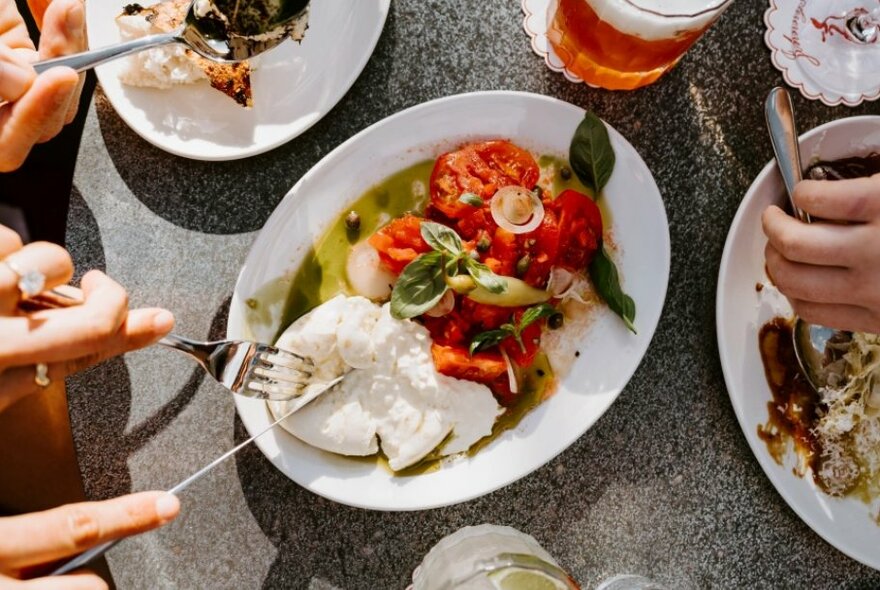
<point>830,272</point>
<point>70,339</point>
<point>32,542</point>
<point>37,107</point>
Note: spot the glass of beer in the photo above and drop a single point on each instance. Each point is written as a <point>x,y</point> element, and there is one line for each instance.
<point>626,44</point>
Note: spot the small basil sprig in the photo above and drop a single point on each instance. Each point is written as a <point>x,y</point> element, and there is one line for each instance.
<point>592,159</point>
<point>420,286</point>
<point>422,283</point>
<point>590,154</point>
<point>491,338</point>
<point>603,274</point>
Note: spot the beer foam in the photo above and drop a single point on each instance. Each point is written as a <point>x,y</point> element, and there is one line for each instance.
<point>646,18</point>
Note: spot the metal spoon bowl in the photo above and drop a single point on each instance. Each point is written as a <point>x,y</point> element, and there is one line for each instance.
<point>810,341</point>
<point>199,33</point>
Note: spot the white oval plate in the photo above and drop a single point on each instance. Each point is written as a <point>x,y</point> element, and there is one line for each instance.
<point>740,312</point>
<point>294,86</point>
<point>609,354</point>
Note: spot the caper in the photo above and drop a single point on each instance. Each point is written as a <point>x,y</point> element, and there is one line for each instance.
<point>565,173</point>
<point>555,321</point>
<point>484,243</point>
<point>522,265</point>
<point>353,221</point>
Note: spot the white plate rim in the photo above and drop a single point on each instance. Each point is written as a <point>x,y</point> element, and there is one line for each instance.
<point>649,329</point>
<point>759,450</point>
<point>101,72</point>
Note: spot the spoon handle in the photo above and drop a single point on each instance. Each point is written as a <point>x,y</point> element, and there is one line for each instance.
<point>89,59</point>
<point>783,135</point>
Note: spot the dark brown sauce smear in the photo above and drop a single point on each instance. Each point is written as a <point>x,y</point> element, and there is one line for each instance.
<point>845,168</point>
<point>792,410</point>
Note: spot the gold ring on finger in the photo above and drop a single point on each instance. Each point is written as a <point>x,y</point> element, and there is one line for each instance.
<point>41,376</point>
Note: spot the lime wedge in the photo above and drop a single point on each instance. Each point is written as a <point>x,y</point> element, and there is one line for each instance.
<point>514,578</point>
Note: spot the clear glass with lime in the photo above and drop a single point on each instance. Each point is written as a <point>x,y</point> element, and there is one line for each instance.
<point>490,557</point>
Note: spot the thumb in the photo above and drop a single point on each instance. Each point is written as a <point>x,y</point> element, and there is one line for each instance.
<point>64,29</point>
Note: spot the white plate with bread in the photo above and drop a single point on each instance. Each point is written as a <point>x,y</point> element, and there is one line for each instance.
<point>289,89</point>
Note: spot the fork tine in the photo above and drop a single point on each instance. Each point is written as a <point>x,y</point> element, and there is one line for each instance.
<point>287,375</point>
<point>269,388</point>
<point>287,360</point>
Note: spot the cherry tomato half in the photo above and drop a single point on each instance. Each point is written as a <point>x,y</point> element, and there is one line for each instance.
<point>481,169</point>
<point>580,229</point>
<point>400,242</point>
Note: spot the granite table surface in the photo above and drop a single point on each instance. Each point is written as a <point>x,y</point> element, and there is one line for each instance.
<point>663,485</point>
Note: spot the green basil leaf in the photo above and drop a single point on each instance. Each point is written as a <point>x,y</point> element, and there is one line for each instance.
<point>603,273</point>
<point>591,155</point>
<point>485,340</point>
<point>419,287</point>
<point>535,313</point>
<point>441,237</point>
<point>471,199</point>
<point>484,276</point>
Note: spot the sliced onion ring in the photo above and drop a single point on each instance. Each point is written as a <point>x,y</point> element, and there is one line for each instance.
<point>444,306</point>
<point>517,209</point>
<point>511,374</point>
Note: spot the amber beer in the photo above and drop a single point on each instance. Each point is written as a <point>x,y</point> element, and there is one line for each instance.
<point>625,44</point>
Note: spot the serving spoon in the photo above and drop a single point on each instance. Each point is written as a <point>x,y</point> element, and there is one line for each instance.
<point>203,34</point>
<point>810,340</point>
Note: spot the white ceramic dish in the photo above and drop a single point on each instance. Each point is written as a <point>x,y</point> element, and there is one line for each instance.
<point>609,354</point>
<point>294,86</point>
<point>741,311</point>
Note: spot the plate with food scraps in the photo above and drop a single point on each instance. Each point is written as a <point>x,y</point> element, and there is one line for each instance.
<point>197,109</point>
<point>488,310</point>
<point>809,445</point>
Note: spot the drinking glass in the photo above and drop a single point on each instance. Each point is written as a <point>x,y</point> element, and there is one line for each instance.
<point>490,557</point>
<point>841,40</point>
<point>626,44</point>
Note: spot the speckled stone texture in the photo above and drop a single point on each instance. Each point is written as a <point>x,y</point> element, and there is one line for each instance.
<point>663,485</point>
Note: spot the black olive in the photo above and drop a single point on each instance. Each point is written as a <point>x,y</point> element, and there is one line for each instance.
<point>556,320</point>
<point>353,221</point>
<point>565,173</point>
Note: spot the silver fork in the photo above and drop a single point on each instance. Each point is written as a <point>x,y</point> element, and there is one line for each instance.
<point>248,368</point>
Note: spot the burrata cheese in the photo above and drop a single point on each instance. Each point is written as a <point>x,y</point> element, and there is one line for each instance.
<point>392,397</point>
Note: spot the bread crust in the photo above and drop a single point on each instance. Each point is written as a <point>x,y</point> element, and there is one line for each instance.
<point>233,80</point>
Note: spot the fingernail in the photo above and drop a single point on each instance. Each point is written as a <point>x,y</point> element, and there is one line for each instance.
<point>76,19</point>
<point>167,506</point>
<point>163,321</point>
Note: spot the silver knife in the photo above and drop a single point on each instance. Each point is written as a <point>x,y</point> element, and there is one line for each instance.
<point>87,556</point>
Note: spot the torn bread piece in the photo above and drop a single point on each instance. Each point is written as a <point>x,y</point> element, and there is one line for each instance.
<point>171,65</point>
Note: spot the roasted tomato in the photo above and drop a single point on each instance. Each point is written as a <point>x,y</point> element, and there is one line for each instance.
<point>400,242</point>
<point>580,229</point>
<point>481,169</point>
<point>454,361</point>
<point>452,328</point>
<point>542,248</point>
<point>480,317</point>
